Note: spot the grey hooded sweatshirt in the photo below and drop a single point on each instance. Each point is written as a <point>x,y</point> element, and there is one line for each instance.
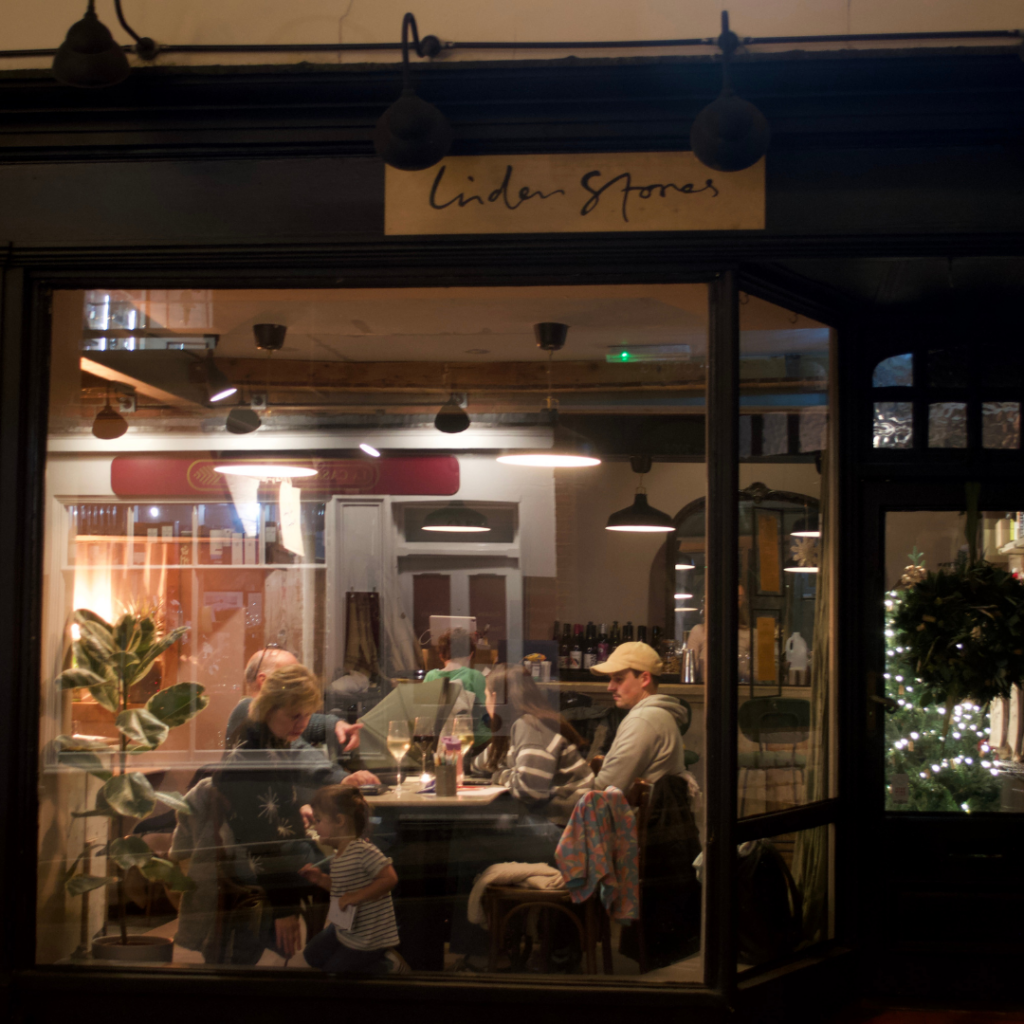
<point>648,744</point>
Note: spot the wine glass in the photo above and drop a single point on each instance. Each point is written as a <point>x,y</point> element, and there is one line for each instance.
<point>398,746</point>
<point>462,727</point>
<point>423,737</point>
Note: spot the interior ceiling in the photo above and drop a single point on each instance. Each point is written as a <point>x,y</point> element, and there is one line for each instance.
<point>465,324</point>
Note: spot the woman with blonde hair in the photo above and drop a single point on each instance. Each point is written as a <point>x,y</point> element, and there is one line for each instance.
<point>265,782</point>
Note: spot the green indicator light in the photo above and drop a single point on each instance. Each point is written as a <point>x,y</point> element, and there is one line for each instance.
<point>625,355</point>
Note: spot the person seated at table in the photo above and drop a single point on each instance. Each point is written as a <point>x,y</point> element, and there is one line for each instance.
<point>539,758</point>
<point>262,789</point>
<point>262,664</point>
<point>455,648</point>
<point>648,743</point>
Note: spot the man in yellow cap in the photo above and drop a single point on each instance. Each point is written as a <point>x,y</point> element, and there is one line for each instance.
<point>648,743</point>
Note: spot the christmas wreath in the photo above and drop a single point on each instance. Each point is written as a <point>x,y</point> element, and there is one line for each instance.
<point>960,634</point>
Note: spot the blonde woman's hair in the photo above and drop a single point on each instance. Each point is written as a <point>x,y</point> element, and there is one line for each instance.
<point>293,687</point>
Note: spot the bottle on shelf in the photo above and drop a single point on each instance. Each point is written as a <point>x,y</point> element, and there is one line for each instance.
<point>656,632</point>
<point>627,632</point>
<point>614,637</point>
<point>576,651</point>
<point>603,646</point>
<point>641,634</point>
<point>564,649</point>
<point>590,647</point>
<point>555,634</point>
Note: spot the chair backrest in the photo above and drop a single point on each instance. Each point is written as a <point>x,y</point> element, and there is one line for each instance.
<point>775,719</point>
<point>639,798</point>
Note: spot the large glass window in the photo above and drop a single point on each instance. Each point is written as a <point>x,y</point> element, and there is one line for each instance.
<point>295,538</point>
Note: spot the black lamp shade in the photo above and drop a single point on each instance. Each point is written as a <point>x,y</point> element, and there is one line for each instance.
<point>109,424</point>
<point>243,421</point>
<point>412,134</point>
<point>456,517</point>
<point>269,337</point>
<point>640,518</point>
<point>450,418</point>
<point>89,58</point>
<point>730,134</point>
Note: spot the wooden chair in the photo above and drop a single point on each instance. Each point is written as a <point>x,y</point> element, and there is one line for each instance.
<point>504,902</point>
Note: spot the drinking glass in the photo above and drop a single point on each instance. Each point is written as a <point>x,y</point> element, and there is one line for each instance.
<point>398,746</point>
<point>462,727</point>
<point>423,737</point>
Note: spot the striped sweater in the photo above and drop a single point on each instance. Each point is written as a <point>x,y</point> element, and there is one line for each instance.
<point>543,769</point>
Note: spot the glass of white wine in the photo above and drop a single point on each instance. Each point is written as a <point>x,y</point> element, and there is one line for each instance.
<point>462,726</point>
<point>423,738</point>
<point>399,741</point>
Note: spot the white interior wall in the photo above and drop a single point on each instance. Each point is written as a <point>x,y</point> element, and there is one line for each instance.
<point>43,25</point>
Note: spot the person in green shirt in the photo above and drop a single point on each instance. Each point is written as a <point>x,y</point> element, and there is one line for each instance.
<point>455,648</point>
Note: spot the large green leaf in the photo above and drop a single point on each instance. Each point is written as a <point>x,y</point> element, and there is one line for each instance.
<point>177,704</point>
<point>174,800</point>
<point>157,647</point>
<point>130,852</point>
<point>86,760</point>
<point>129,794</point>
<point>72,678</point>
<point>83,883</point>
<point>144,728</point>
<point>125,667</point>
<point>166,871</point>
<point>82,617</point>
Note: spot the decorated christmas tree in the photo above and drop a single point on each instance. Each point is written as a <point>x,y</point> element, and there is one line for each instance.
<point>954,641</point>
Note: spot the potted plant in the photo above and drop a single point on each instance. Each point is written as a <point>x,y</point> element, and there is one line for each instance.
<point>108,661</point>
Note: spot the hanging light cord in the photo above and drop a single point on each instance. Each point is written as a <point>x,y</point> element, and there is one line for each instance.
<point>550,403</point>
<point>145,47</point>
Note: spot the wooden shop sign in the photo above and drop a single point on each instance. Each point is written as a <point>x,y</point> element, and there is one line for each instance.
<point>572,192</point>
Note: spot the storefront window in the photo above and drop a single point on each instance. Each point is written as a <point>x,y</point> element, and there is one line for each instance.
<point>299,537</point>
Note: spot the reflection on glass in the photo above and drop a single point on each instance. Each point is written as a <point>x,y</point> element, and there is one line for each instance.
<point>1000,425</point>
<point>894,372</point>
<point>950,367</point>
<point>893,425</point>
<point>947,425</point>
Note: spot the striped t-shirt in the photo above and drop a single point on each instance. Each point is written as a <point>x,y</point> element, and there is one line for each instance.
<point>374,925</point>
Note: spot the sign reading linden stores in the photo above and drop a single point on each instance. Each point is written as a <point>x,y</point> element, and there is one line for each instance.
<point>572,192</point>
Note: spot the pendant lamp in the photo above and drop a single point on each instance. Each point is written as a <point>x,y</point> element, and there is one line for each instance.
<point>109,423</point>
<point>243,420</point>
<point>451,418</point>
<point>89,58</point>
<point>456,517</point>
<point>413,134</point>
<point>729,134</point>
<point>640,517</point>
<point>568,449</point>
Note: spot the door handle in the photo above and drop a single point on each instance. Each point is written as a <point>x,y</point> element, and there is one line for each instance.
<point>889,706</point>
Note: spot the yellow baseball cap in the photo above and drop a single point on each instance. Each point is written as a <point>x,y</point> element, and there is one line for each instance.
<point>639,657</point>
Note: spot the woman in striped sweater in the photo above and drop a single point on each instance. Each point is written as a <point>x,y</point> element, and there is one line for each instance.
<point>538,758</point>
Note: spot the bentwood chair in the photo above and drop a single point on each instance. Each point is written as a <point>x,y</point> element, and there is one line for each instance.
<point>504,902</point>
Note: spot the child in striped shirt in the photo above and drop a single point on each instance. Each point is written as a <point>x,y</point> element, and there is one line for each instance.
<point>361,877</point>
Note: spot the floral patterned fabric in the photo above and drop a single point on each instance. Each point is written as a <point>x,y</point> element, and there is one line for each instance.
<point>599,848</point>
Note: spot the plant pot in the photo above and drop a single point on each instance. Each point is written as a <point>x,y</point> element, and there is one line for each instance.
<point>139,949</point>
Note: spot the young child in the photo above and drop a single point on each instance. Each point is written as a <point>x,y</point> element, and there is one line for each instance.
<point>361,877</point>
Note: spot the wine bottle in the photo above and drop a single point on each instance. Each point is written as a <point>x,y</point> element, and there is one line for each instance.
<point>627,632</point>
<point>576,652</point>
<point>641,634</point>
<point>564,647</point>
<point>614,637</point>
<point>656,637</point>
<point>603,647</point>
<point>590,646</point>
<point>554,633</point>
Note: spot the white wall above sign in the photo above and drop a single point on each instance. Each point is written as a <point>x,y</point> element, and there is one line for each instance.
<point>572,193</point>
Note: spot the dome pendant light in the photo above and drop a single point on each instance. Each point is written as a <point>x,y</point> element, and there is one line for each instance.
<point>243,419</point>
<point>451,418</point>
<point>729,134</point>
<point>413,134</point>
<point>640,517</point>
<point>109,423</point>
<point>568,450</point>
<point>89,58</point>
<point>456,517</point>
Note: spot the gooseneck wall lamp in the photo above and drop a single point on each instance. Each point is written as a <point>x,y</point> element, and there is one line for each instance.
<point>89,57</point>
<point>729,134</point>
<point>413,134</point>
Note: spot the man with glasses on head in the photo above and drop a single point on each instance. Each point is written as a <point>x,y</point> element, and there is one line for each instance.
<point>321,727</point>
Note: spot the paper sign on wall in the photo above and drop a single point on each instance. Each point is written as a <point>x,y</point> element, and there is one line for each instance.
<point>572,192</point>
<point>291,519</point>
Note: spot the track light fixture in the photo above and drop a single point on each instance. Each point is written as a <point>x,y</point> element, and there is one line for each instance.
<point>412,134</point>
<point>729,134</point>
<point>109,423</point>
<point>640,517</point>
<point>89,58</point>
